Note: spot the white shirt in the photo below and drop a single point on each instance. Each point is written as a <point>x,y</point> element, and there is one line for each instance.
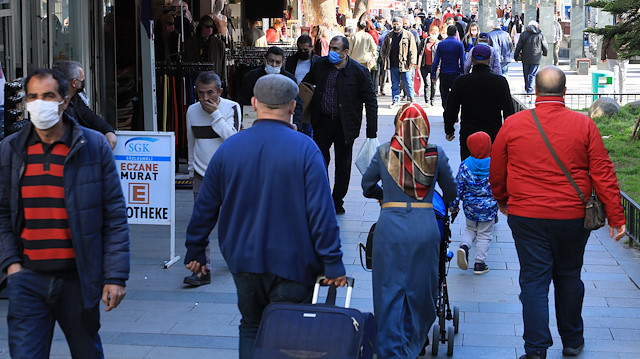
<point>206,132</point>
<point>302,68</point>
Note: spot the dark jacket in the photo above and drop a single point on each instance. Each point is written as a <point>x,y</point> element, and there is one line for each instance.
<point>292,62</point>
<point>485,99</point>
<point>245,92</point>
<point>531,46</point>
<point>94,204</point>
<point>501,40</point>
<point>85,116</point>
<point>212,51</point>
<point>353,89</point>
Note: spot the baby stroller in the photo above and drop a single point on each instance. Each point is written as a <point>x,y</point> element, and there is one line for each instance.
<point>443,307</point>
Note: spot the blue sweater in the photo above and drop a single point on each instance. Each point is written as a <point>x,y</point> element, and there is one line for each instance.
<point>267,188</point>
<point>450,56</point>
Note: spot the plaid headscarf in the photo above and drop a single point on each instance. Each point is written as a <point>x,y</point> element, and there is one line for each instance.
<point>411,160</point>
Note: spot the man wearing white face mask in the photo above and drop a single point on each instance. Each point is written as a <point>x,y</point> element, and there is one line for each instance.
<point>63,226</point>
<point>273,60</point>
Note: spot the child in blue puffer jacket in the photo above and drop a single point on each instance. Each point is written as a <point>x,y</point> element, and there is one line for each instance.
<point>480,208</point>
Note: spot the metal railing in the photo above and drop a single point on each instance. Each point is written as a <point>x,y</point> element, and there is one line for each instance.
<point>632,215</point>
<point>631,208</point>
<point>578,101</point>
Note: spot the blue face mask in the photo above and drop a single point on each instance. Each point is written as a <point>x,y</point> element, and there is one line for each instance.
<point>334,57</point>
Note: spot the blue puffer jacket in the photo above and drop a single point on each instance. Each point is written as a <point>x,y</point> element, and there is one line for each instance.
<point>94,203</point>
<point>475,193</point>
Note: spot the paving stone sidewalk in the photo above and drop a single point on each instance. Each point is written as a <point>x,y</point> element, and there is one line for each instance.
<point>161,318</point>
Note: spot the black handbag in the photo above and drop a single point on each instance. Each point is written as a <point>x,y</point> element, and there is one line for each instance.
<point>367,249</point>
<point>594,214</point>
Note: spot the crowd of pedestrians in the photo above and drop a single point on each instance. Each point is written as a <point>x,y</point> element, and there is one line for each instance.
<point>63,227</point>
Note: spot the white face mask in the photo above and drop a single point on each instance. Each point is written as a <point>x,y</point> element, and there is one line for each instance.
<point>271,70</point>
<point>43,114</point>
<point>474,33</point>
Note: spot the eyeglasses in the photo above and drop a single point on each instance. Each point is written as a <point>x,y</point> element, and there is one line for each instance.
<point>171,23</point>
<point>208,26</point>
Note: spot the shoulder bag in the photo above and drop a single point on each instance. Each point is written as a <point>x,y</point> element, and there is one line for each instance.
<point>594,214</point>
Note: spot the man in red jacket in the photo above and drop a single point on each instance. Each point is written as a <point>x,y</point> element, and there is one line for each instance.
<point>545,213</point>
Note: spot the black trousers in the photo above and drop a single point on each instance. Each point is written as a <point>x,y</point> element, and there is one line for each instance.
<point>446,81</point>
<point>429,86</point>
<point>329,132</point>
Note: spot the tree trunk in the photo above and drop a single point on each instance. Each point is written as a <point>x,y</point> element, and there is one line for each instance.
<point>360,9</point>
<point>324,12</point>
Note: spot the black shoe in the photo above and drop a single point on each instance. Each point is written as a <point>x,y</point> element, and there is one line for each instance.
<point>194,280</point>
<point>340,210</point>
<point>572,352</point>
<point>480,268</point>
<point>534,356</point>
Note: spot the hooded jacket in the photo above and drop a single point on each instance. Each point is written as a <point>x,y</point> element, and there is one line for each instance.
<point>531,46</point>
<point>474,191</point>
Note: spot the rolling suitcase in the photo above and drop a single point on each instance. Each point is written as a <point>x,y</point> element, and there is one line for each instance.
<point>319,331</point>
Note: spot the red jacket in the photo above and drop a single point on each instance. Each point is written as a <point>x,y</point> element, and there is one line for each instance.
<point>525,176</point>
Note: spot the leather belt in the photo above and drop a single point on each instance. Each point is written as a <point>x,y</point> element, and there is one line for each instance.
<point>407,204</point>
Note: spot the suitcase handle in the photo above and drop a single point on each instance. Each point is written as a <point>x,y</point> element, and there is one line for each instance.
<point>331,296</point>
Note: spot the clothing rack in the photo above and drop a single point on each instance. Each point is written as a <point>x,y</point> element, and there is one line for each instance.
<point>175,82</point>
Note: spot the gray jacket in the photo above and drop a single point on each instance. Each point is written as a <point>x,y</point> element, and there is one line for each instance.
<point>531,46</point>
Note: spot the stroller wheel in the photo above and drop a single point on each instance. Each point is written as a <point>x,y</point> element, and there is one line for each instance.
<point>456,319</point>
<point>436,340</point>
<point>450,335</point>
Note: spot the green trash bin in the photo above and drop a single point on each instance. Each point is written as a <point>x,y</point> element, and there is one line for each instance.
<point>601,82</point>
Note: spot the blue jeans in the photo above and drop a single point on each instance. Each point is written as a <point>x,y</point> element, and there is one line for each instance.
<point>505,68</point>
<point>36,302</point>
<point>255,292</point>
<point>550,250</point>
<point>407,78</point>
<point>529,71</point>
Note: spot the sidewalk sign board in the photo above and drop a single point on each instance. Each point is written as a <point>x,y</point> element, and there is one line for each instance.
<point>146,164</point>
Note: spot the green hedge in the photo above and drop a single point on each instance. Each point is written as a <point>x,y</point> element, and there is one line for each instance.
<point>616,134</point>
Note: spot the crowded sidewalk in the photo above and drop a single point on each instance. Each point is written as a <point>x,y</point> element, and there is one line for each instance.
<point>162,318</point>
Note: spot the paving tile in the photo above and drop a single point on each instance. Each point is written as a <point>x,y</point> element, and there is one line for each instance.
<point>176,352</point>
<point>175,340</point>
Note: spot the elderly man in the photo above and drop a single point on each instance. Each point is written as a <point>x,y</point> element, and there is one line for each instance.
<point>546,215</point>
<point>77,109</point>
<point>63,226</point>
<point>274,251</point>
<point>400,53</point>
<point>485,99</point>
<point>342,87</point>
<point>530,48</point>
<point>210,121</point>
<point>500,40</point>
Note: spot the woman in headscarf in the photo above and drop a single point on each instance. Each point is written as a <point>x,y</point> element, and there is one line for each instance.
<point>406,240</point>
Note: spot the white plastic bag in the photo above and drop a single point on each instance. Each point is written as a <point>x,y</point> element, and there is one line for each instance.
<point>366,153</point>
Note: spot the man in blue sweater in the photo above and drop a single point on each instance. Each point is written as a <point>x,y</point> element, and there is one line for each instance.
<point>278,230</point>
<point>450,58</point>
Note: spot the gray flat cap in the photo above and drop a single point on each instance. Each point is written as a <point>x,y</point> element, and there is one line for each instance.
<point>275,89</point>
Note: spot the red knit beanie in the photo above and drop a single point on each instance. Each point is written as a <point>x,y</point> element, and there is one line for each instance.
<point>479,145</point>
